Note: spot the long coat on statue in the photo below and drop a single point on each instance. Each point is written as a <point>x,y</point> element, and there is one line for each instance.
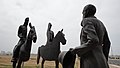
<point>95,44</point>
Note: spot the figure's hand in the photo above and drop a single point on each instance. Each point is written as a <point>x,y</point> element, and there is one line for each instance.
<point>72,50</point>
<point>20,35</point>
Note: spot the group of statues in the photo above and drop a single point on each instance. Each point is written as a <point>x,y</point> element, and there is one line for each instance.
<point>93,52</point>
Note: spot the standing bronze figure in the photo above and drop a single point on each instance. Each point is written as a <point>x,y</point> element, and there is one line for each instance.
<point>95,43</point>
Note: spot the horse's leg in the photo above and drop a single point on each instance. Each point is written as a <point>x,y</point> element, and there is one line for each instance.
<point>57,63</point>
<point>22,64</point>
<point>38,55</point>
<point>42,64</point>
<point>19,64</point>
<point>14,64</point>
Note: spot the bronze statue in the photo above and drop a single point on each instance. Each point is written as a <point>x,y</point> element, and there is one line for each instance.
<point>50,34</point>
<point>51,51</point>
<point>22,33</point>
<point>23,53</point>
<point>67,59</point>
<point>95,43</point>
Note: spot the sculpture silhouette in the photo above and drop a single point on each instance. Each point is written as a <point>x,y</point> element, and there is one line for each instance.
<point>95,43</point>
<point>51,52</point>
<point>24,53</point>
<point>22,35</point>
<point>67,59</point>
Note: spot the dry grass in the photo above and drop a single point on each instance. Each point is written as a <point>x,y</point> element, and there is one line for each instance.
<point>5,63</point>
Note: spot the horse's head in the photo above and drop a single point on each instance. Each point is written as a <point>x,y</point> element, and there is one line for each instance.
<point>32,33</point>
<point>61,37</point>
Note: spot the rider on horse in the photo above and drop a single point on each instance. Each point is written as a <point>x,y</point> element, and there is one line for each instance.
<point>50,34</point>
<point>22,33</point>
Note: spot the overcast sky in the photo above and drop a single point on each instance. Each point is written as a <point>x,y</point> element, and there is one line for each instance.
<point>66,14</point>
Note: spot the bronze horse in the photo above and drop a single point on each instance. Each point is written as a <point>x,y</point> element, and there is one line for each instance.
<point>24,53</point>
<point>51,51</point>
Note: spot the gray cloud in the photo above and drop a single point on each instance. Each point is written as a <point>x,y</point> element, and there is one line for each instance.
<point>65,14</point>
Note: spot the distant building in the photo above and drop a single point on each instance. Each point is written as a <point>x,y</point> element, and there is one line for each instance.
<point>2,52</point>
<point>114,57</point>
<point>5,53</point>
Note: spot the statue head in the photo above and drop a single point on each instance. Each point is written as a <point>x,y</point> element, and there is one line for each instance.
<point>26,21</point>
<point>49,26</point>
<point>89,10</point>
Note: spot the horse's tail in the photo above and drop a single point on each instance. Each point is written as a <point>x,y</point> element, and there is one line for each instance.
<point>38,55</point>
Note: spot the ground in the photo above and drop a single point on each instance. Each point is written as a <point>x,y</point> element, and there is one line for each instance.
<point>5,63</point>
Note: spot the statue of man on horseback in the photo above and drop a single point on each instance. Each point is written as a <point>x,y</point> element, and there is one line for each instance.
<point>52,50</point>
<point>22,33</point>
<point>22,50</point>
